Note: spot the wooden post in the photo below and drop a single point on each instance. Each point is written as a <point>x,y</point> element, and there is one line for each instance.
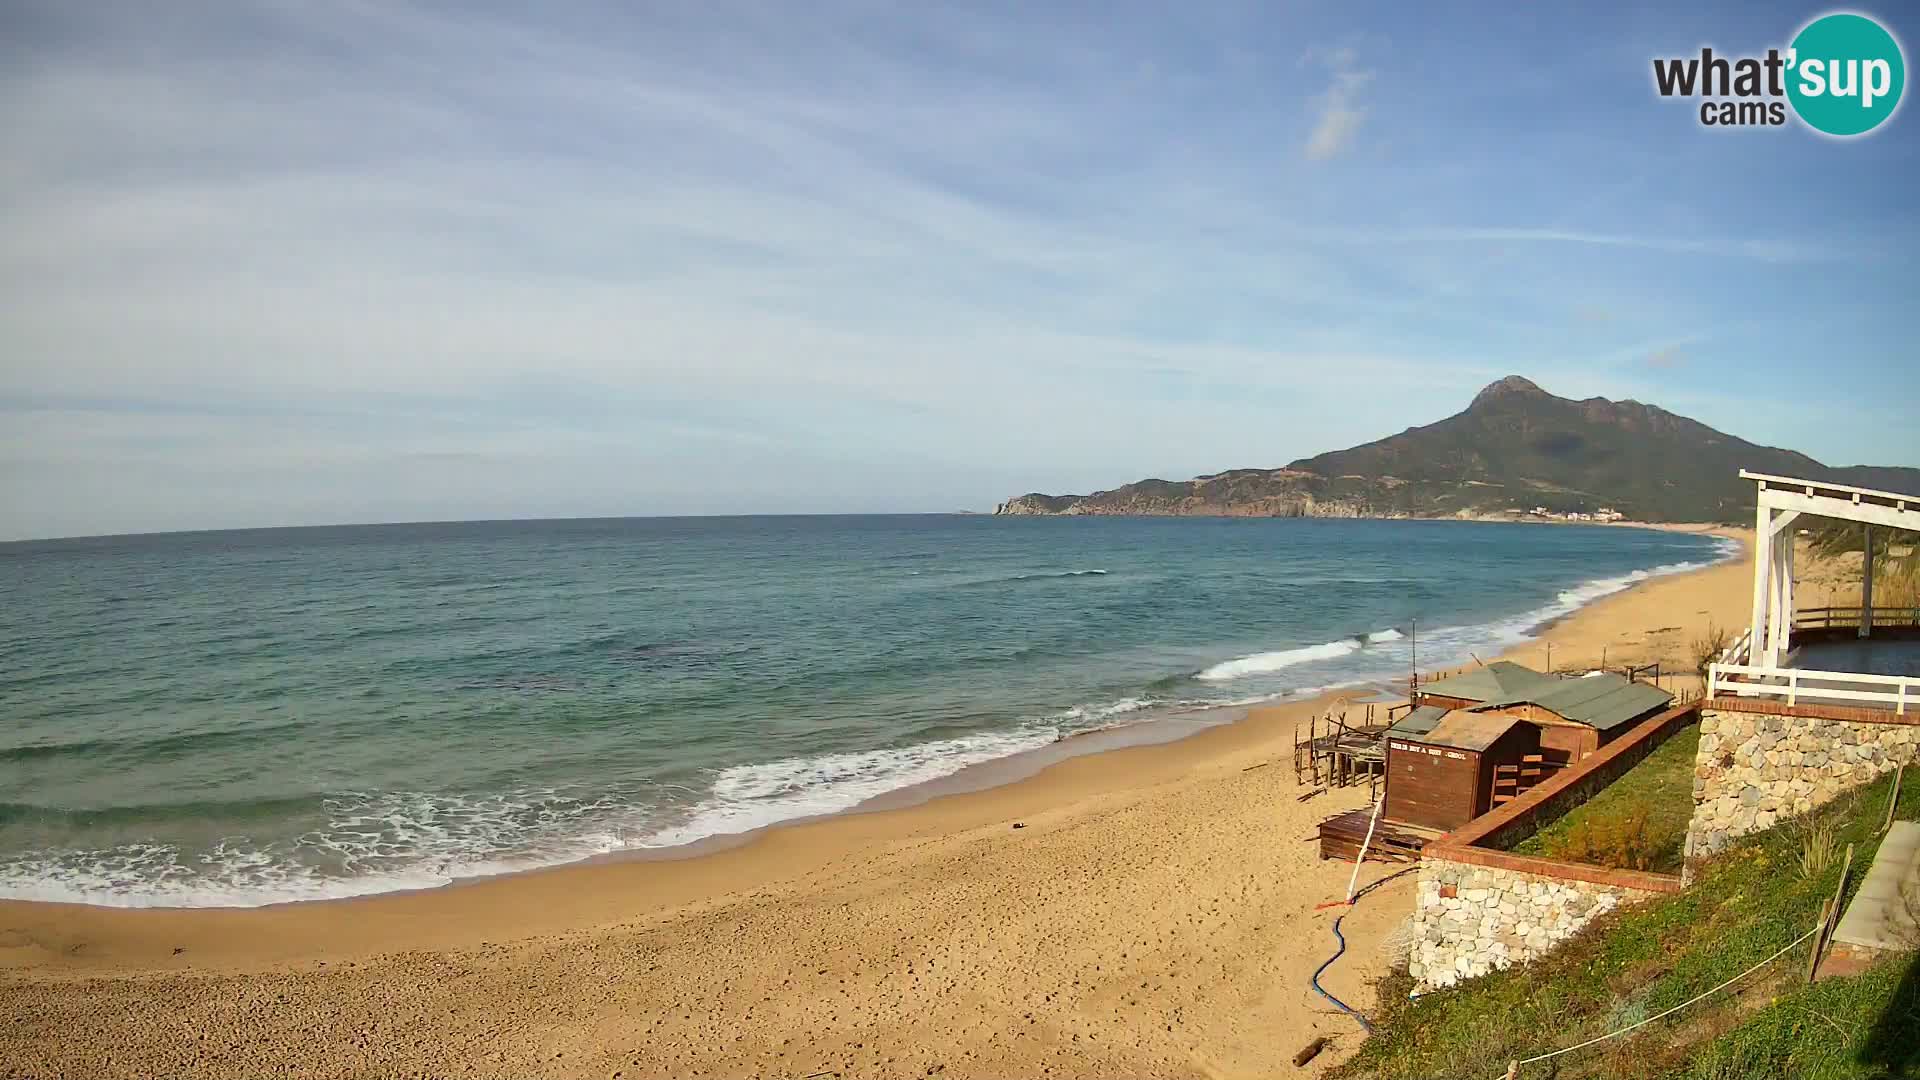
<point>1829,914</point>
<point>1845,867</point>
<point>1762,578</point>
<point>1413,661</point>
<point>1819,938</point>
<point>1866,585</point>
<point>1893,797</point>
<point>1782,596</point>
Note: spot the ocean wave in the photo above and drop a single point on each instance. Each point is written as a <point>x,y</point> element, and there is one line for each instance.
<point>1108,710</point>
<point>1043,576</point>
<point>155,748</point>
<point>354,844</point>
<point>748,797</point>
<point>358,844</point>
<point>1571,600</point>
<point>366,843</point>
<point>1267,662</point>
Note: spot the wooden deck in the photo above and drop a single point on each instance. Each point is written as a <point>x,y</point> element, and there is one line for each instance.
<point>1393,841</point>
<point>1339,753</point>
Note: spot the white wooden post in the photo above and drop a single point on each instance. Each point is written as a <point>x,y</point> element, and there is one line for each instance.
<point>1776,617</point>
<point>1762,575</point>
<point>1788,558</point>
<point>1866,585</point>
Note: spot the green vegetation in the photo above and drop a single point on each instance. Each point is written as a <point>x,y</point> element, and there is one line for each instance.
<point>1638,822</point>
<point>1515,447</point>
<point>1896,557</point>
<point>1631,964</point>
<point>1707,648</point>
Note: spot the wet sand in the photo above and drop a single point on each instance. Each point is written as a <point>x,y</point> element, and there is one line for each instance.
<point>1144,911</point>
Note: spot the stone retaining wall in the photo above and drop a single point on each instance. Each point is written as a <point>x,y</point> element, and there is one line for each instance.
<point>1469,920</point>
<point>1756,768</point>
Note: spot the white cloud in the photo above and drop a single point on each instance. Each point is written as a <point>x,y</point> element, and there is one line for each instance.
<point>301,263</point>
<point>1339,109</point>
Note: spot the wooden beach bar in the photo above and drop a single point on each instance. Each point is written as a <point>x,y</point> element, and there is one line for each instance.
<point>1473,742</point>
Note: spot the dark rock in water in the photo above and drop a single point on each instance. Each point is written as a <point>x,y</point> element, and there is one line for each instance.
<point>1019,824</point>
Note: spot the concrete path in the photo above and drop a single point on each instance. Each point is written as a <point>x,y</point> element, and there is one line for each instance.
<point>1881,915</point>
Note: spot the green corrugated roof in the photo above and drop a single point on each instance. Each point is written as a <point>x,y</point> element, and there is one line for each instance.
<point>1502,679</point>
<point>1464,730</point>
<point>1418,722</point>
<point>1602,701</point>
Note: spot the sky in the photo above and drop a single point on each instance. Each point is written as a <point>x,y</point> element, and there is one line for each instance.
<point>284,263</point>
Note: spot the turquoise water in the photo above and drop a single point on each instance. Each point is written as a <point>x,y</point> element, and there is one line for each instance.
<point>240,718</point>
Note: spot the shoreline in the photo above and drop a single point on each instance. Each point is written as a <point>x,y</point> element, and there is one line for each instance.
<point>1173,726</point>
<point>1140,909</point>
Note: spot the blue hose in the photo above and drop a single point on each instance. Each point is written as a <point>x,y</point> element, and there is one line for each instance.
<point>1341,1005</point>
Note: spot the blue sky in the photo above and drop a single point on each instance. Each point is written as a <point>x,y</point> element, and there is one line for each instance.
<point>284,263</point>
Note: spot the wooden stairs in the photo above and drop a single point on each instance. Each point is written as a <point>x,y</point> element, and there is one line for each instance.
<point>1510,781</point>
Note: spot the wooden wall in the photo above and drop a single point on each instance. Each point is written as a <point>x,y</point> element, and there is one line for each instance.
<point>1509,749</point>
<point>1430,786</point>
<point>1567,743</point>
<point>1562,741</point>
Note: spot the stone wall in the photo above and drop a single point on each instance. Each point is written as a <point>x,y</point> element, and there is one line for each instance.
<point>1469,920</point>
<point>1755,769</point>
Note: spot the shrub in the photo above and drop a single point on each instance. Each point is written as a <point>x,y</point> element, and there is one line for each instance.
<point>1816,851</point>
<point>1708,648</point>
<point>1621,841</point>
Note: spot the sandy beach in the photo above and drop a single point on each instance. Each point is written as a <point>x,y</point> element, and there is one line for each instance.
<point>1147,911</point>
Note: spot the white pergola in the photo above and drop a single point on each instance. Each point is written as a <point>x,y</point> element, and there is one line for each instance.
<point>1753,665</point>
<point>1781,501</point>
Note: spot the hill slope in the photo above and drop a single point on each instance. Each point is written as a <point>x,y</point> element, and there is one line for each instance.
<point>1515,447</point>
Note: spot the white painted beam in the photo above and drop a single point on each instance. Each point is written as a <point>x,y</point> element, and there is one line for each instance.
<point>1845,510</point>
<point>1866,585</point>
<point>1767,479</point>
<point>1762,574</point>
<point>1788,558</point>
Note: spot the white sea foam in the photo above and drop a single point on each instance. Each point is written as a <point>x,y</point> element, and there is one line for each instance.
<point>748,797</point>
<point>1453,644</point>
<point>400,841</point>
<point>1268,662</point>
<point>1108,710</point>
<point>371,843</point>
<point>397,841</point>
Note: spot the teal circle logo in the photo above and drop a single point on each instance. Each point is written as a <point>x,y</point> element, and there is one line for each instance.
<point>1845,74</point>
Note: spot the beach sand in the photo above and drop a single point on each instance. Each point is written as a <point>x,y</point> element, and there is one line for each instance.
<point>1147,911</point>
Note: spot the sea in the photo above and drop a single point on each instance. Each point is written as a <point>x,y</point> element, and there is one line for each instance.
<point>256,717</point>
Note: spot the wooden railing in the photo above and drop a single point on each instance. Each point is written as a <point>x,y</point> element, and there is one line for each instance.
<point>1829,618</point>
<point>1795,684</point>
<point>1734,676</point>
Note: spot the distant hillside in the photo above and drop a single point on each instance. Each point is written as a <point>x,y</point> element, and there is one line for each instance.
<point>1514,448</point>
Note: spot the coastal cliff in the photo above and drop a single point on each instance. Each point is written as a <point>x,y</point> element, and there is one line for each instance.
<point>1242,493</point>
<point>1514,449</point>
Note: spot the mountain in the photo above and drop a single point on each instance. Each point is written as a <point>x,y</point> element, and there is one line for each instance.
<point>1514,448</point>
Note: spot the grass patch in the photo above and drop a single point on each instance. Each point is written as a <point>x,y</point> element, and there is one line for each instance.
<point>1638,822</point>
<point>1632,963</point>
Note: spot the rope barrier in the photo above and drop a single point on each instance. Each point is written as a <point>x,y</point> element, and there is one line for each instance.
<point>1612,1034</point>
